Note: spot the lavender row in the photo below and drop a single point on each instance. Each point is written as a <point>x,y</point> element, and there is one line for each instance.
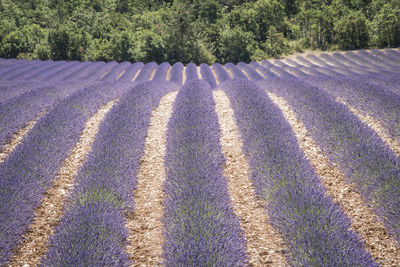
<point>115,71</point>
<point>82,71</point>
<point>176,73</point>
<point>369,98</point>
<point>92,232</point>
<point>315,229</point>
<point>208,75</point>
<point>28,72</point>
<point>237,74</point>
<point>361,154</point>
<point>161,72</point>
<point>200,226</point>
<point>60,75</point>
<point>9,90</point>
<point>20,67</point>
<point>41,73</point>
<point>19,111</point>
<point>373,62</point>
<point>30,169</point>
<point>145,73</point>
<point>221,72</point>
<point>130,72</point>
<point>251,73</point>
<point>97,73</point>
<point>191,72</point>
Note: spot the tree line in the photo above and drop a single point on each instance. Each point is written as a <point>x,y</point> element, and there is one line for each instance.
<point>192,30</point>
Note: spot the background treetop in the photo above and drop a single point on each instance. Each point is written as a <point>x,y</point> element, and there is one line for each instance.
<point>191,31</point>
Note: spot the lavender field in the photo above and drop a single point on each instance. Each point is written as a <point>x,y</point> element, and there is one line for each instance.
<point>289,162</point>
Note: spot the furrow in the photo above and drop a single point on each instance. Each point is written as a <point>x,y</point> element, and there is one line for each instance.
<point>144,224</point>
<point>50,211</point>
<point>16,139</point>
<point>264,244</point>
<point>376,126</point>
<point>382,247</point>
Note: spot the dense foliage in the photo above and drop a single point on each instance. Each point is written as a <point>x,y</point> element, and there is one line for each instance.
<point>191,31</point>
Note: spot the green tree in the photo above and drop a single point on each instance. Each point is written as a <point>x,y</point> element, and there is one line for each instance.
<point>59,42</point>
<point>351,31</point>
<point>235,45</point>
<point>178,32</point>
<point>386,26</point>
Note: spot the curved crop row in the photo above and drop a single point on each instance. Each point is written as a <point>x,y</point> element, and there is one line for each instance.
<point>207,75</point>
<point>115,71</point>
<point>191,72</point>
<point>17,112</point>
<point>145,72</point>
<point>176,73</point>
<point>361,154</point>
<point>221,72</point>
<point>9,90</point>
<point>315,228</point>
<point>236,72</point>
<point>96,73</point>
<point>29,170</point>
<point>131,71</point>
<point>82,70</point>
<point>17,71</point>
<point>371,99</point>
<point>92,232</point>
<point>374,100</point>
<point>200,226</point>
<point>161,72</point>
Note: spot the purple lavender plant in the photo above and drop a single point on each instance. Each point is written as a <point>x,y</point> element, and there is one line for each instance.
<point>161,72</point>
<point>176,73</point>
<point>29,170</point>
<point>92,232</point>
<point>361,154</point>
<point>207,75</point>
<point>315,229</point>
<point>221,72</point>
<point>131,71</point>
<point>200,226</point>
<point>191,72</point>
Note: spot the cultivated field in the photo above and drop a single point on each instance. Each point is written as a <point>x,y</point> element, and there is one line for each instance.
<point>291,162</point>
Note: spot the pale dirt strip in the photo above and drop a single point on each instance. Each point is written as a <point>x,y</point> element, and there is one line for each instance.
<point>215,76</point>
<point>136,75</point>
<point>102,76</point>
<point>382,247</point>
<point>264,245</point>
<point>144,223</point>
<point>375,125</point>
<point>119,75</point>
<point>50,212</point>
<point>229,72</point>
<point>152,74</point>
<point>183,75</point>
<point>199,73</point>
<point>16,138</point>
<point>168,78</point>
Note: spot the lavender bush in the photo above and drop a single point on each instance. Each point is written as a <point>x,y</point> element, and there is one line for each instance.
<point>208,75</point>
<point>361,154</point>
<point>315,229</point>
<point>176,73</point>
<point>161,72</point>
<point>131,71</point>
<point>29,170</point>
<point>200,226</point>
<point>221,72</point>
<point>92,232</point>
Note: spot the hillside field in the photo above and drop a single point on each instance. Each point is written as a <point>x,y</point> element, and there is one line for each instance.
<point>286,162</point>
